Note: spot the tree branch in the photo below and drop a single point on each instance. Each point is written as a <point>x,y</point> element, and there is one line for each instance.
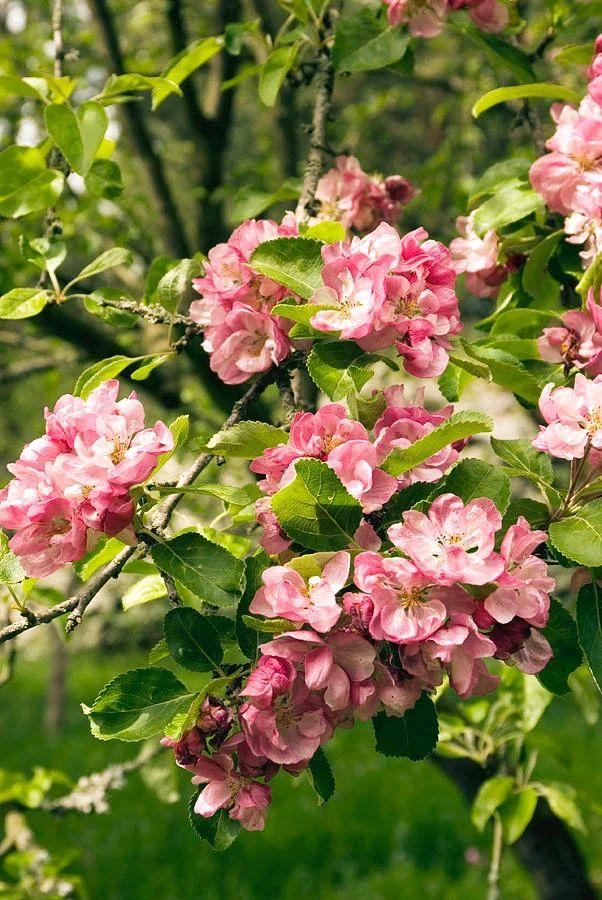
<point>324,78</point>
<point>175,234</point>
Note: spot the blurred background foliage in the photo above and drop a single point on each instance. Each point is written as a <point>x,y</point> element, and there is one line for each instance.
<point>191,171</point>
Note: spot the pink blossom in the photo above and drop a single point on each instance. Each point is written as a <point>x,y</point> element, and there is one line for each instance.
<point>291,729</point>
<point>488,15</point>
<point>246,800</point>
<point>355,463</point>
<point>586,229</point>
<point>565,176</point>
<point>454,542</point>
<point>400,425</point>
<point>574,417</point>
<point>355,290</point>
<point>424,17</point>
<point>285,593</point>
<point>188,749</point>
<point>56,535</point>
<point>459,648</point>
<point>246,342</point>
<point>578,342</point>
<point>332,664</point>
<point>273,539</point>
<point>519,644</point>
<point>525,586</point>
<point>478,257</point>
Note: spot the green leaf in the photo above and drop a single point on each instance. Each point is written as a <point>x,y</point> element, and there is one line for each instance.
<point>175,285</point>
<point>579,536</point>
<point>192,640</point>
<point>507,371</point>
<point>118,86</point>
<point>117,256</point>
<point>592,278</point>
<point>316,510</point>
<point>589,626</point>
<point>561,634</point>
<point>321,777</point>
<point>137,705</point>
<point>522,322</point>
<point>522,91</point>
<point>338,367</point>
<point>183,65</point>
<point>536,279</point>
<point>225,492</point>
<point>524,460</point>
<point>101,371</point>
<point>458,427</point>
<point>293,262</point>
<point>469,364</point>
<point>104,179</point>
<point>151,587</point>
<point>361,45</point>
<point>580,54</point>
<point>36,88</point>
<point>490,796</point>
<point>366,410</point>
<point>413,735</point>
<point>535,513</point>
<point>23,303</point>
<point>502,53</point>
<point>268,626</point>
<point>220,830</point>
<point>301,313</point>
<point>26,184</point>
<point>513,202</point>
<point>179,431</point>
<point>209,571</point>
<point>516,812</point>
<point>403,500</point>
<point>79,134</point>
<point>329,232</point>
<point>45,253</point>
<point>562,799</point>
<point>246,440</point>
<point>10,567</point>
<point>473,478</point>
<point>105,551</point>
<point>249,202</point>
<point>247,637</point>
<point>143,371</point>
<point>501,173</point>
<point>118,318</point>
<point>274,71</point>
<point>536,700</point>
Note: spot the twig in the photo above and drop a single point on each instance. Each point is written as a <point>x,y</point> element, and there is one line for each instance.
<point>493,877</point>
<point>57,37</point>
<point>153,314</point>
<point>315,159</point>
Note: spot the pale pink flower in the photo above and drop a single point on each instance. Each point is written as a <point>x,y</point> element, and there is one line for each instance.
<point>246,800</point>
<point>478,257</point>
<point>574,417</point>
<point>401,424</point>
<point>488,15</point>
<point>291,729</point>
<point>273,539</point>
<point>355,463</point>
<point>454,542</point>
<point>425,18</point>
<point>568,174</point>
<point>246,342</point>
<point>459,648</point>
<point>355,289</point>
<point>586,229</point>
<point>578,342</point>
<point>56,535</point>
<point>333,663</point>
<point>286,594</point>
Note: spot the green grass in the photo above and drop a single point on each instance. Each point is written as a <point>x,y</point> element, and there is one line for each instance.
<point>393,829</point>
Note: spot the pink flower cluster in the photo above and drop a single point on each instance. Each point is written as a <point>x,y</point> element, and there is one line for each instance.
<point>348,449</point>
<point>426,18</point>
<point>370,634</point>
<point>574,420</point>
<point>578,341</point>
<point>569,178</point>
<point>73,483</point>
<point>240,334</point>
<point>360,201</point>
<point>478,258</point>
<point>384,290</point>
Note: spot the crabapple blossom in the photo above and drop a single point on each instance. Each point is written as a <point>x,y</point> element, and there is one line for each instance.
<point>586,230</point>
<point>578,341</point>
<point>245,799</point>
<point>384,290</point>
<point>478,258</point>
<point>574,418</point>
<point>73,483</point>
<point>454,542</point>
<point>425,18</point>
<point>247,341</point>
<point>519,644</point>
<point>488,15</point>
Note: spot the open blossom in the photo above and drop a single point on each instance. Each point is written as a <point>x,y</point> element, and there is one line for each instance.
<point>573,416</point>
<point>478,258</point>
<point>402,424</point>
<point>387,290</point>
<point>245,799</point>
<point>358,200</point>
<point>488,15</point>
<point>454,542</point>
<point>425,18</point>
<point>578,341</point>
<point>73,483</point>
<point>240,334</point>
<point>586,230</point>
<point>286,594</point>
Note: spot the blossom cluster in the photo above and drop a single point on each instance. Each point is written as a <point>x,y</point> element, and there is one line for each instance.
<point>426,18</point>
<point>574,420</point>
<point>354,456</point>
<point>577,343</point>
<point>569,177</point>
<point>240,335</point>
<point>72,484</point>
<point>360,201</point>
<point>369,632</point>
<point>479,258</point>
<point>383,290</point>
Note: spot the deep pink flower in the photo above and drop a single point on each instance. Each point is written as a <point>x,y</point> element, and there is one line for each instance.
<point>286,594</point>
<point>519,644</point>
<point>55,536</point>
<point>246,800</point>
<point>355,463</point>
<point>246,342</point>
<point>578,342</point>
<point>271,678</point>
<point>454,542</point>
<point>291,729</point>
<point>425,18</point>
<point>573,169</point>
<point>574,417</point>
<point>355,289</point>
<point>488,15</point>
